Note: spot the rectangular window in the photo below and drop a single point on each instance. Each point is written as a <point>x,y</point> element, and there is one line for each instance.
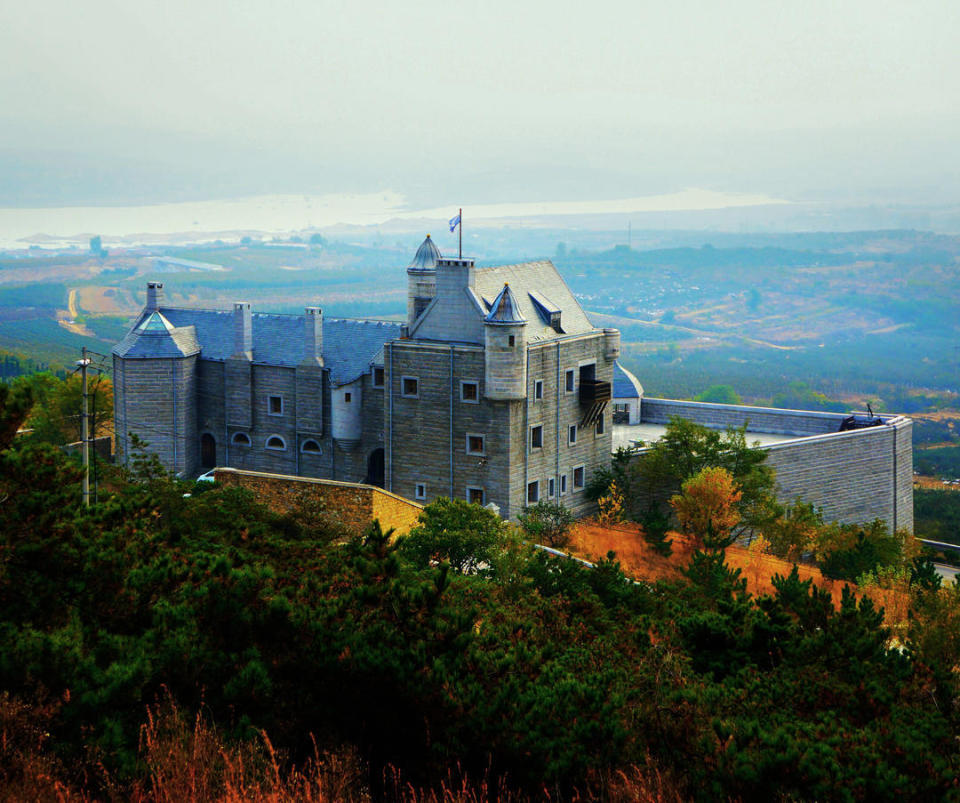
<point>470,392</point>
<point>600,425</point>
<point>533,492</point>
<point>475,444</point>
<point>409,387</point>
<point>378,377</point>
<point>474,495</point>
<point>512,340</point>
<point>538,390</point>
<point>568,381</point>
<point>536,437</point>
<point>578,478</point>
<point>563,484</point>
<point>550,488</point>
<point>275,405</point>
<point>347,398</point>
<point>420,491</point>
<point>572,434</point>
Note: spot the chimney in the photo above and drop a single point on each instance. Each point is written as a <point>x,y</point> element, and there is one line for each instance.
<point>454,275</point>
<point>155,297</point>
<point>313,336</point>
<point>242,330</point>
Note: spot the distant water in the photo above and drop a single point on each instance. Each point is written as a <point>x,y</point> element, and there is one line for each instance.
<point>284,214</point>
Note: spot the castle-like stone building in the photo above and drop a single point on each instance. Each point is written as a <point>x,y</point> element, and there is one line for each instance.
<point>495,390</point>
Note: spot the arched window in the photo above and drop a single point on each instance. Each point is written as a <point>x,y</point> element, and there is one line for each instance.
<point>276,442</point>
<point>241,439</point>
<point>311,446</point>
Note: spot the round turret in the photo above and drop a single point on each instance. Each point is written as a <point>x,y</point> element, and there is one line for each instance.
<point>421,279</point>
<point>505,341</point>
<point>611,344</point>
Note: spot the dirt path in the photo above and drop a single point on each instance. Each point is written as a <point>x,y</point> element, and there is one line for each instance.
<point>69,321</point>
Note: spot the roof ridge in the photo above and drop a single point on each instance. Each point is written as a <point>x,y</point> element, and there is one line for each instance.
<point>279,315</point>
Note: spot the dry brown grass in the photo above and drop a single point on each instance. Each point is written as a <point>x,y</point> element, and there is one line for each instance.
<point>592,541</point>
<point>188,761</point>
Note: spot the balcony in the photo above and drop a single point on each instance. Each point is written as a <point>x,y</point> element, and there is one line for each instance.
<point>593,391</point>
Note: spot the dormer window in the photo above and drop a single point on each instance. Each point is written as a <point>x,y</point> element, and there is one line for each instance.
<point>555,322</point>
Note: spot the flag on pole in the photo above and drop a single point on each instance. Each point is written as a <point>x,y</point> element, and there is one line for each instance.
<point>454,222</point>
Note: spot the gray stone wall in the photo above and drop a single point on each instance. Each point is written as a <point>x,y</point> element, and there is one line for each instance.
<point>556,412</point>
<point>210,408</point>
<point>238,374</point>
<point>155,399</point>
<point>903,473</point>
<point>853,477</point>
<point>309,393</point>
<point>421,448</point>
<point>760,419</point>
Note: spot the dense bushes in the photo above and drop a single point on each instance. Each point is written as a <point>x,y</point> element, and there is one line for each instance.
<point>520,666</point>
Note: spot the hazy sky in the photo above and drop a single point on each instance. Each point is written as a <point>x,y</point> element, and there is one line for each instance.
<point>459,102</point>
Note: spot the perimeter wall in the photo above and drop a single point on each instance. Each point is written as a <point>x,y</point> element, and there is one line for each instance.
<point>853,476</point>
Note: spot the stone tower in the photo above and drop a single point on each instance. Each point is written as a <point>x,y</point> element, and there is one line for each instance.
<point>421,279</point>
<point>505,349</point>
<point>155,385</point>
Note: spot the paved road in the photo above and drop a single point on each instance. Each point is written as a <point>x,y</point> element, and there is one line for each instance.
<point>948,573</point>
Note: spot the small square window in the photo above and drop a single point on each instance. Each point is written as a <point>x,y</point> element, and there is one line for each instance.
<point>410,387</point>
<point>378,377</point>
<point>475,444</point>
<point>346,398</point>
<point>533,492</point>
<point>538,390</point>
<point>563,484</point>
<point>275,405</point>
<point>600,425</point>
<point>568,381</point>
<point>550,488</point>
<point>578,477</point>
<point>474,495</point>
<point>420,491</point>
<point>536,437</point>
<point>470,392</point>
<point>572,434</point>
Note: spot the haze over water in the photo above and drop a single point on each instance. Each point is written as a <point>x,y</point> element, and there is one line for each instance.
<point>277,214</point>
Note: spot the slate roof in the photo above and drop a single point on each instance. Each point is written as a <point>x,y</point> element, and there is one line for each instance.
<point>541,281</point>
<point>625,384</point>
<point>349,346</point>
<point>504,309</point>
<point>426,256</point>
<point>154,336</point>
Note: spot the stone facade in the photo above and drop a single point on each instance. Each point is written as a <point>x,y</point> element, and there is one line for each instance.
<point>470,400</point>
<point>497,389</point>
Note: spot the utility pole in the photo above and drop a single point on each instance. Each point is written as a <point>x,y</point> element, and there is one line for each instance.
<point>83,362</point>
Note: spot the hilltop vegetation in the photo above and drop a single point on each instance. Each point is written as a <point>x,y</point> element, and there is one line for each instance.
<point>525,669</point>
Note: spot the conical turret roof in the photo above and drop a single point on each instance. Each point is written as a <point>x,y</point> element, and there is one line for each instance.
<point>156,337</point>
<point>504,309</point>
<point>426,256</point>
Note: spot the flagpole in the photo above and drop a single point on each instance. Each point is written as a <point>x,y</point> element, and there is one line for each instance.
<point>461,233</point>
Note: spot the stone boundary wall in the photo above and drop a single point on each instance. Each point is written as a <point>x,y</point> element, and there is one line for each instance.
<point>353,504</point>
<point>854,476</point>
<point>760,419</point>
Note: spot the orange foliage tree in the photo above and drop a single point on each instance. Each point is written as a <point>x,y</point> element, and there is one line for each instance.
<point>706,507</point>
